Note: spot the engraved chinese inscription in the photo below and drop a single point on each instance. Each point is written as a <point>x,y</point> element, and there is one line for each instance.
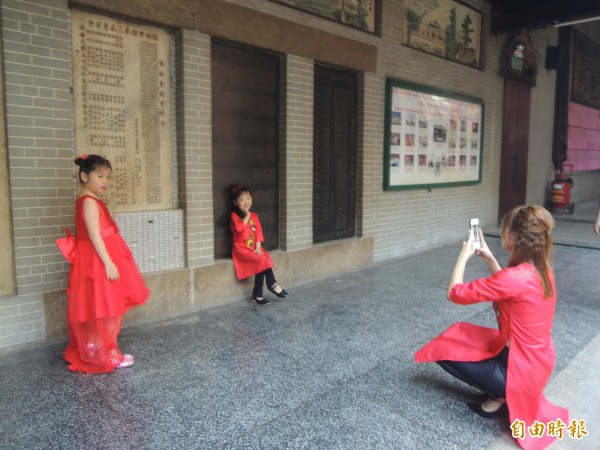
<point>121,89</point>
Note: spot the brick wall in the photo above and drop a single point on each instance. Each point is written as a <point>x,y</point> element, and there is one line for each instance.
<point>37,62</point>
<point>39,129</point>
<point>7,279</point>
<point>406,222</point>
<point>410,221</point>
<point>194,149</point>
<point>297,160</point>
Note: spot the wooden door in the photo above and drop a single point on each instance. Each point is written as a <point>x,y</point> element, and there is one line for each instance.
<point>334,154</point>
<point>245,129</point>
<point>515,145</point>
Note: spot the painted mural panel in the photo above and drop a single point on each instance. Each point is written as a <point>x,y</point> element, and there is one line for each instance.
<point>360,14</point>
<point>445,28</point>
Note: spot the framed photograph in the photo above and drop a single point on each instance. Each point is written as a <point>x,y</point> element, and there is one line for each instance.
<point>450,29</point>
<point>433,138</point>
<point>364,15</point>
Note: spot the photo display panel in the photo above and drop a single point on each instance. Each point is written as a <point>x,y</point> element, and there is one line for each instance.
<point>122,95</point>
<point>433,137</point>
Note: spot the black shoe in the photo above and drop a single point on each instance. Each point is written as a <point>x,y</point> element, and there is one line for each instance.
<point>476,408</point>
<point>260,300</point>
<point>281,294</point>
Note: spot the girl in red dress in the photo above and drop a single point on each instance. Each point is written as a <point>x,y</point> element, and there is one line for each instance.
<point>104,280</point>
<point>513,363</point>
<point>249,258</point>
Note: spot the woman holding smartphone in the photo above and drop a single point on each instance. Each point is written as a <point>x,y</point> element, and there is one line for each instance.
<point>513,363</point>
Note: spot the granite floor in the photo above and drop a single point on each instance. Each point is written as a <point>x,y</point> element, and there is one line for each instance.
<point>330,367</point>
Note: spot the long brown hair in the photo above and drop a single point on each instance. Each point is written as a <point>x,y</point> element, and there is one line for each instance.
<point>530,228</point>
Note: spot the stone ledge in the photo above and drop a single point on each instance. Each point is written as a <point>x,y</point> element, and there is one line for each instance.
<point>182,291</point>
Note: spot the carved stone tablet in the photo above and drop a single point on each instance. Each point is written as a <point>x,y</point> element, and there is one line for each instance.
<point>122,95</point>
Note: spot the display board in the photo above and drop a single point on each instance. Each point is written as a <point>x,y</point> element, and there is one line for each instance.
<point>122,95</point>
<point>432,137</point>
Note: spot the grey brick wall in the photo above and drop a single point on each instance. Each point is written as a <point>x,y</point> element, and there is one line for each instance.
<point>39,132</point>
<point>194,137</point>
<point>37,64</point>
<point>297,158</point>
<point>407,222</point>
<point>21,320</point>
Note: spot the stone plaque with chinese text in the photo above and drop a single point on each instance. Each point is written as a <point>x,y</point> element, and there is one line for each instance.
<point>121,88</point>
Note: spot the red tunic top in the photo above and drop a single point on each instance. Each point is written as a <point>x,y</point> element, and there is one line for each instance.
<point>245,237</point>
<point>524,318</point>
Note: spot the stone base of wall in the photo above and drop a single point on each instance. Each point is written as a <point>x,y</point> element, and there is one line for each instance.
<point>182,291</point>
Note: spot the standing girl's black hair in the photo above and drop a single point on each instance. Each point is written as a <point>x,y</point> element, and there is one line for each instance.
<point>235,194</point>
<point>89,163</point>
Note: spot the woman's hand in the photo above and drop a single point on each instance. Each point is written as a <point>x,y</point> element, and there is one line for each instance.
<point>458,273</point>
<point>483,251</point>
<point>467,249</point>
<point>486,255</point>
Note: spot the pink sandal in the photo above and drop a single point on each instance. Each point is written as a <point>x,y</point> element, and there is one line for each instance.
<point>127,361</point>
<point>91,349</point>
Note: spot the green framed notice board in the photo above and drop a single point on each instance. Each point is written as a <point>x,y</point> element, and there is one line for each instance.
<point>433,137</point>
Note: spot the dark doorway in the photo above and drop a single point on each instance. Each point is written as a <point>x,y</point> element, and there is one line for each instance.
<point>245,137</point>
<point>515,145</point>
<point>335,154</point>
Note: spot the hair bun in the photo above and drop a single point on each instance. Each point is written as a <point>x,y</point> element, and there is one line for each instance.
<point>80,160</point>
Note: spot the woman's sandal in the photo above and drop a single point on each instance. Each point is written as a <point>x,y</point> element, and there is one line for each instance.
<point>260,300</point>
<point>281,294</point>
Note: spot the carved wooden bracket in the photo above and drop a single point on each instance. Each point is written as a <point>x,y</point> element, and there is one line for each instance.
<point>517,60</point>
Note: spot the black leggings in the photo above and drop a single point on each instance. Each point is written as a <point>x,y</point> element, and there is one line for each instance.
<point>488,376</point>
<point>259,280</point>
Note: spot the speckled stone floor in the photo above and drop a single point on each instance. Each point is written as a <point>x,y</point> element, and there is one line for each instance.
<point>330,367</point>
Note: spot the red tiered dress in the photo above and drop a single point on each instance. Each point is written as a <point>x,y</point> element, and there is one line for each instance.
<point>96,305</point>
<point>525,323</point>
<point>245,237</point>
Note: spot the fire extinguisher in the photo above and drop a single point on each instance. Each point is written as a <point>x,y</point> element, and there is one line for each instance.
<point>561,193</point>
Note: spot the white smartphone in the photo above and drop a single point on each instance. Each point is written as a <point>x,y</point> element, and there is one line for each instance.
<point>474,225</point>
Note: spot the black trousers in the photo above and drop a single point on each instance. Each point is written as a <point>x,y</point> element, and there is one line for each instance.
<point>259,281</point>
<point>488,375</point>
